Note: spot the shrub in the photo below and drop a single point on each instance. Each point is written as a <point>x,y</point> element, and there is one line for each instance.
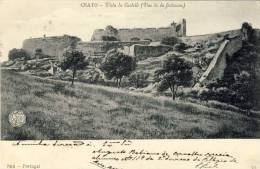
<point>18,54</point>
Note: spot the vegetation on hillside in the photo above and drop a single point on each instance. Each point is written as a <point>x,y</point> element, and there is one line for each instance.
<point>237,85</point>
<point>111,34</point>
<point>174,73</point>
<point>117,69</point>
<point>73,60</point>
<point>138,79</point>
<point>117,65</point>
<point>18,54</point>
<point>55,110</point>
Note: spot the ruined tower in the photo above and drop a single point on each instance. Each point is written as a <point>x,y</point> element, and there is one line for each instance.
<point>180,28</point>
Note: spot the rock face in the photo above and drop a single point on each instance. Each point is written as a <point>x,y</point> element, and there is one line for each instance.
<point>154,34</point>
<point>51,46</point>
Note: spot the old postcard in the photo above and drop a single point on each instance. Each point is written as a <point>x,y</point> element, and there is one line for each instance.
<point>118,84</point>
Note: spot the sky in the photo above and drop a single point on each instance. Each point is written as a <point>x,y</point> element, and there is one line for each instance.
<point>33,18</point>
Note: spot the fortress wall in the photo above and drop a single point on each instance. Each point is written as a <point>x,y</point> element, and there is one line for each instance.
<point>97,48</point>
<point>97,34</point>
<point>100,48</point>
<point>55,46</point>
<point>155,34</point>
<point>142,52</point>
<point>217,66</point>
<point>52,46</point>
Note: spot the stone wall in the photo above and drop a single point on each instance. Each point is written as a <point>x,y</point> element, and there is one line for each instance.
<point>100,48</point>
<point>57,45</point>
<point>142,52</point>
<point>154,34</point>
<point>217,66</point>
<point>52,46</point>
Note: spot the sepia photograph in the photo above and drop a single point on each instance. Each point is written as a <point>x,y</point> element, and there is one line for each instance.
<point>94,70</point>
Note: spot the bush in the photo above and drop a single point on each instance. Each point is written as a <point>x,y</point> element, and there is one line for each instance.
<point>90,76</point>
<point>18,54</point>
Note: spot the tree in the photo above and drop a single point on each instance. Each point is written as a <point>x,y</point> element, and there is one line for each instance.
<point>175,72</point>
<point>38,51</point>
<point>111,34</point>
<point>111,30</point>
<point>18,54</point>
<point>116,65</point>
<point>73,60</point>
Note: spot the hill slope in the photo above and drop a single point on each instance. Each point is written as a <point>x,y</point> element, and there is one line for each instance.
<point>54,110</point>
<point>199,50</point>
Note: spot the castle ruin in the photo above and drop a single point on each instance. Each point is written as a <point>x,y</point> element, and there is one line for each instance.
<point>153,34</point>
<point>56,45</point>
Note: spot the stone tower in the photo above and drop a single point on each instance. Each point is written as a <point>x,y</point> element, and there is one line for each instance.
<point>180,28</point>
<point>184,27</point>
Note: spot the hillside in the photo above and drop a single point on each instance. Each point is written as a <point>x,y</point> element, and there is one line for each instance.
<point>200,51</point>
<point>207,55</point>
<point>55,110</point>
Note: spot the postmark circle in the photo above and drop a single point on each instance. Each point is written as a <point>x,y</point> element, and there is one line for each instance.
<point>17,118</point>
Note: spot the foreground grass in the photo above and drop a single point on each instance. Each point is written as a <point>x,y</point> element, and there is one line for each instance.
<point>55,110</point>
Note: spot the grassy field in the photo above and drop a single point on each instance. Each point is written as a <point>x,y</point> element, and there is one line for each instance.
<point>55,110</point>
